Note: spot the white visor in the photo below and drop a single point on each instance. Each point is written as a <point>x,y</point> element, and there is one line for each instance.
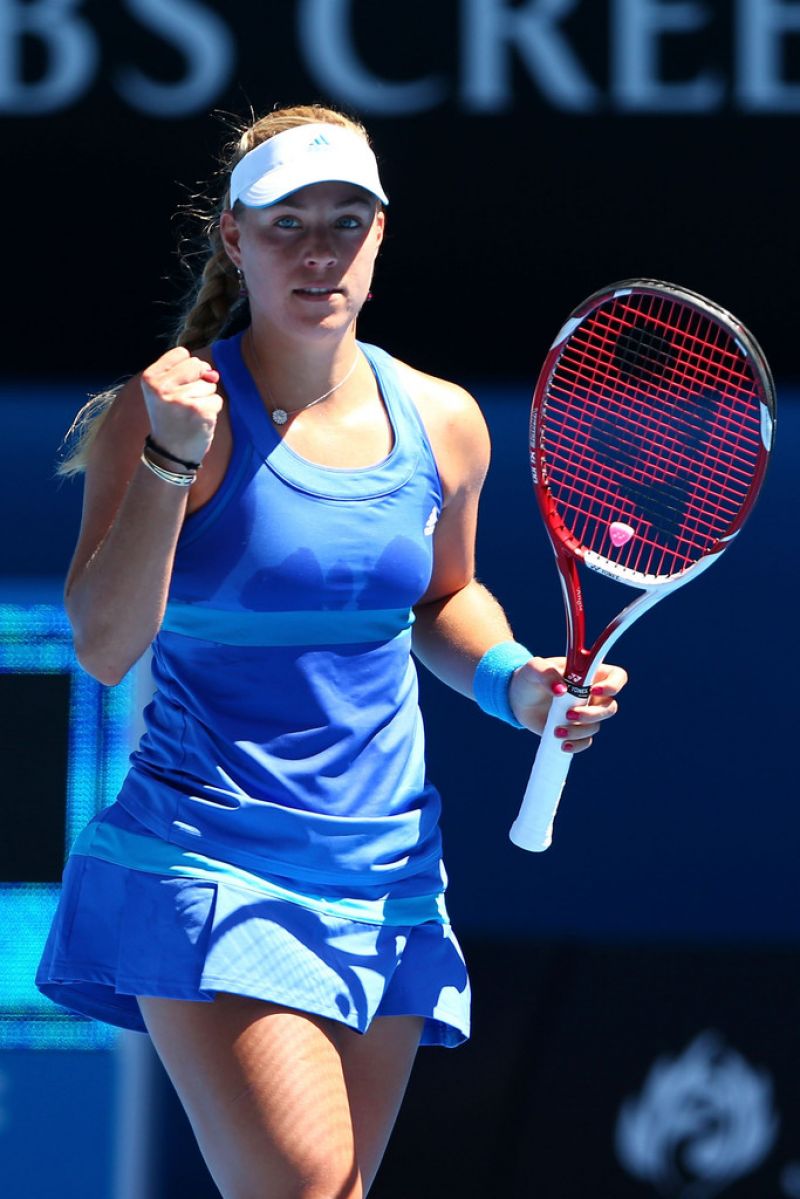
<point>300,156</point>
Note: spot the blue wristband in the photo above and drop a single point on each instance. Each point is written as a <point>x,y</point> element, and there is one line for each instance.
<point>493,676</point>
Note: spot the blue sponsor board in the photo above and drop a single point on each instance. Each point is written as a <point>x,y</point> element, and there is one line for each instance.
<point>57,1112</point>
<point>54,786</point>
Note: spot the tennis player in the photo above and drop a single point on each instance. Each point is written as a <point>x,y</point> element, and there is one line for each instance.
<point>284,513</point>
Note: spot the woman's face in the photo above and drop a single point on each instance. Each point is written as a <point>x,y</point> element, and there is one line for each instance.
<point>307,260</point>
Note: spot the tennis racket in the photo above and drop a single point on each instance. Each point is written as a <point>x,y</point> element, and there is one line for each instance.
<point>651,426</point>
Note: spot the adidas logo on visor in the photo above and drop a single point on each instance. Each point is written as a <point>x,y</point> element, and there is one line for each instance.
<point>319,141</point>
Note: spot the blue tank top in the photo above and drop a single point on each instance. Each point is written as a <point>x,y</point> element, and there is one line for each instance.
<point>284,735</point>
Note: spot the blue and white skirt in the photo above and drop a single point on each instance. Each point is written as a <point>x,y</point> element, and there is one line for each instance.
<point>139,916</point>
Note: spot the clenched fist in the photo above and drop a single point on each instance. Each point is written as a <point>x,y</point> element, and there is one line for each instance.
<point>180,392</point>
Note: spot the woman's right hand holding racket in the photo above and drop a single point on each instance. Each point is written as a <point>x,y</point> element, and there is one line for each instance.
<point>538,687</point>
<point>567,723</point>
<point>183,403</point>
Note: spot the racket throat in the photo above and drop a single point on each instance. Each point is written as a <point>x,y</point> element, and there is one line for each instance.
<point>580,663</point>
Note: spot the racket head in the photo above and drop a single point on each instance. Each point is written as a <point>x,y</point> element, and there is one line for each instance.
<point>651,427</point>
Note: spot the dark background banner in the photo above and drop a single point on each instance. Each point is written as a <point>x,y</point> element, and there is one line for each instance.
<point>532,152</point>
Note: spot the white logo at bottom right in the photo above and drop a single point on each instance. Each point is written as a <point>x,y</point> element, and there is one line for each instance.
<point>703,1119</point>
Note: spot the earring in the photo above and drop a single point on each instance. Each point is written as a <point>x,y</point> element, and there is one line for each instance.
<point>242,283</point>
<point>369,295</point>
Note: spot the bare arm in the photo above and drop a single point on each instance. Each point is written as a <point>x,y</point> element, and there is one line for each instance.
<point>458,620</point>
<point>452,634</point>
<point>118,581</point>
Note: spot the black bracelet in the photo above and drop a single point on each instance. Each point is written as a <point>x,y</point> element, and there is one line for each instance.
<point>159,449</point>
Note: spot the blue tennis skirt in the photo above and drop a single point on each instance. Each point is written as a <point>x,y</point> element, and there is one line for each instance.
<point>138,916</point>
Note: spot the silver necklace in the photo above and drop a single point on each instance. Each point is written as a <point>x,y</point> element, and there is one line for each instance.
<point>280,415</point>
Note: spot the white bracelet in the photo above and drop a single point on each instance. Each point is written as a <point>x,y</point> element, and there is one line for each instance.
<point>169,476</point>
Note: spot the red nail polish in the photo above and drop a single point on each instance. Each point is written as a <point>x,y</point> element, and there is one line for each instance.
<point>559,689</point>
<point>598,690</point>
<point>568,746</point>
<point>560,731</point>
<point>573,714</point>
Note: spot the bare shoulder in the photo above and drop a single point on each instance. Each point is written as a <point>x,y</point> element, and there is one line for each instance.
<point>455,426</point>
<point>441,401</point>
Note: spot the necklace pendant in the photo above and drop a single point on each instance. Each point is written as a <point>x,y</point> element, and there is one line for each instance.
<point>279,416</point>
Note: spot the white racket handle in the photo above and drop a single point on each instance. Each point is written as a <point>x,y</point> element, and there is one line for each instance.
<point>533,828</point>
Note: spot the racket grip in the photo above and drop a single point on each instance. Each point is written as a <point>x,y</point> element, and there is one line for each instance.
<point>533,828</point>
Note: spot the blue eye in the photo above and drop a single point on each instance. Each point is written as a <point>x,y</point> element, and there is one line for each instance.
<point>287,222</point>
<point>349,222</point>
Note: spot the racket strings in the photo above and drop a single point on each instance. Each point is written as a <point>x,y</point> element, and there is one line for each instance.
<point>686,393</point>
<point>652,420</point>
<point>693,409</point>
<point>676,511</point>
<point>698,358</point>
<point>668,517</point>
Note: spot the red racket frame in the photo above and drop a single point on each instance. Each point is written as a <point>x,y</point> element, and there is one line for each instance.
<point>532,830</point>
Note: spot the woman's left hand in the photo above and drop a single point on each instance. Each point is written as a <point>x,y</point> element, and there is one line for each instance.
<point>532,689</point>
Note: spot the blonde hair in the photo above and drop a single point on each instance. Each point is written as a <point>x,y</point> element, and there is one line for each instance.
<point>214,297</point>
